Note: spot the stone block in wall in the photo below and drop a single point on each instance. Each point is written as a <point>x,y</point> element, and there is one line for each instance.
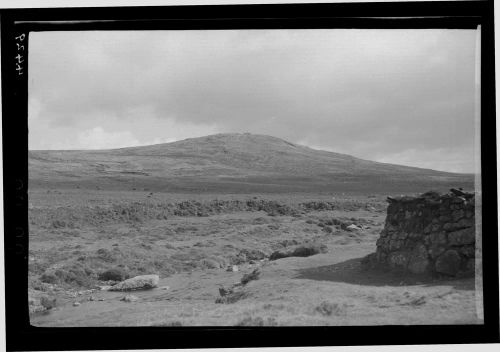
<point>398,260</point>
<point>471,264</point>
<point>458,214</point>
<point>462,237</point>
<point>436,250</point>
<point>445,218</point>
<point>419,260</point>
<point>428,229</point>
<point>468,251</point>
<point>448,263</point>
<point>438,238</point>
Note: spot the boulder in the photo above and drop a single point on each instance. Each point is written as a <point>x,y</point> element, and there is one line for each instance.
<point>233,268</point>
<point>353,227</point>
<point>129,298</point>
<point>448,263</point>
<point>142,282</point>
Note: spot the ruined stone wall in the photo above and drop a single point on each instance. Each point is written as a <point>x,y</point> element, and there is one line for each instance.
<point>431,233</point>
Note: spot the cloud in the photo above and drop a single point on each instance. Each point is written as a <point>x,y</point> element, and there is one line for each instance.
<point>361,92</point>
<point>461,161</point>
<point>97,138</point>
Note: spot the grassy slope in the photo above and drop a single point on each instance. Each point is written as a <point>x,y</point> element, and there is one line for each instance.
<point>230,163</point>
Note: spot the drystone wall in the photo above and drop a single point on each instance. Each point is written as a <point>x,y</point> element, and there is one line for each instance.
<point>431,233</point>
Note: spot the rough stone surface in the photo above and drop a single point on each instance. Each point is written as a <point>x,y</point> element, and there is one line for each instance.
<point>142,282</point>
<point>462,237</point>
<point>419,260</point>
<point>431,233</point>
<point>448,263</point>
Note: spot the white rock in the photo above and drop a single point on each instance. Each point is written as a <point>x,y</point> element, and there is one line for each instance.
<point>353,227</point>
<point>233,268</point>
<point>142,282</point>
<point>129,298</point>
<point>104,288</point>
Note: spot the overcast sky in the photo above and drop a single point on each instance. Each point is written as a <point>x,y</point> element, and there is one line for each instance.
<point>398,96</point>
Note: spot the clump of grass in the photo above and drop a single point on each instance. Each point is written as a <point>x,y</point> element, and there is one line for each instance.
<point>170,323</point>
<point>210,263</point>
<point>232,297</point>
<point>257,321</point>
<point>75,274</point>
<point>105,255</point>
<point>48,302</point>
<point>114,274</point>
<point>327,309</point>
<point>58,224</point>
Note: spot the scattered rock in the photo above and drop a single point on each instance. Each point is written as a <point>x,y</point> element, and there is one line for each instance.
<point>233,268</point>
<point>254,275</point>
<point>142,282</point>
<point>353,227</point>
<point>225,291</point>
<point>232,297</point>
<point>129,298</point>
<point>305,250</point>
<point>252,254</point>
<point>104,288</point>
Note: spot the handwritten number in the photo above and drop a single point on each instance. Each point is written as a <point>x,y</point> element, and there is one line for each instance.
<point>19,69</point>
<point>19,57</point>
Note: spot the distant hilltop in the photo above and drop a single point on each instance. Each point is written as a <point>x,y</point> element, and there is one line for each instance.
<point>232,162</point>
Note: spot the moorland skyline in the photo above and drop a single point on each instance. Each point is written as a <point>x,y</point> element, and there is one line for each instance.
<point>396,96</point>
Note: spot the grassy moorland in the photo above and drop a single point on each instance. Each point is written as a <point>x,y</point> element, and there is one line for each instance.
<point>190,210</point>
